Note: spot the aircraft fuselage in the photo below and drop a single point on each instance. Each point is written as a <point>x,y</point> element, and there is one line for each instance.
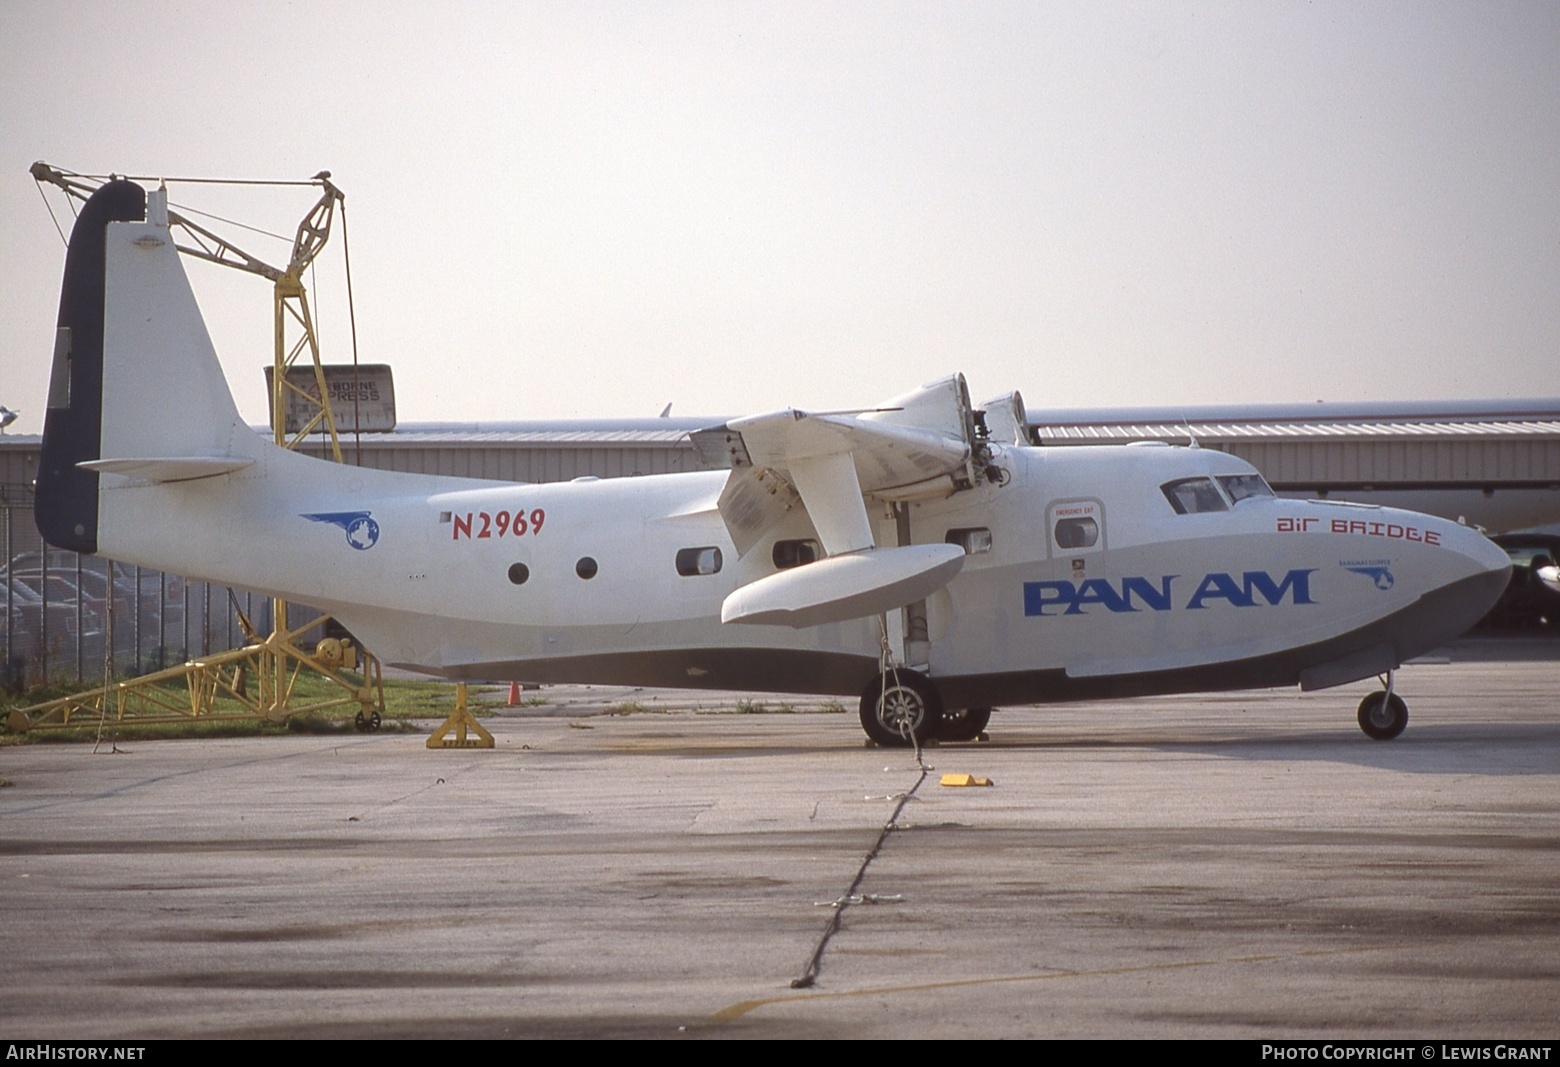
<point>580,581</point>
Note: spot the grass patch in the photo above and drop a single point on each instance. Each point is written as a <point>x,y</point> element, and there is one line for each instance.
<point>421,700</point>
<point>763,707</point>
<point>747,706</point>
<point>38,694</point>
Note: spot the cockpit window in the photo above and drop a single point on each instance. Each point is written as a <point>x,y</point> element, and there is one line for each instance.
<point>1244,486</point>
<point>1192,496</point>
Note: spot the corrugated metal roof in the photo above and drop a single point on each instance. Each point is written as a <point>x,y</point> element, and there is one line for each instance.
<point>1237,431</point>
<point>1530,409</point>
<point>1057,427</point>
<point>536,433</point>
<point>531,438</point>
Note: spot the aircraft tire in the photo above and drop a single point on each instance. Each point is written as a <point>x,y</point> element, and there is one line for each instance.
<point>1383,717</point>
<point>965,725</point>
<point>901,708</point>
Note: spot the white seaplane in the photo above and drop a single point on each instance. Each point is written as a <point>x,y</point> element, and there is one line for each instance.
<point>919,555</point>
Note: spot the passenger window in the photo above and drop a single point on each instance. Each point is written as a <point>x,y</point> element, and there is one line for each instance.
<point>1244,486</point>
<point>1192,496</point>
<point>788,554</point>
<point>975,540</point>
<point>1077,533</point>
<point>692,561</point>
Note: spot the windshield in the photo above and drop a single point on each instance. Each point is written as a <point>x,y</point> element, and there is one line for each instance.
<point>1189,496</point>
<point>1244,486</point>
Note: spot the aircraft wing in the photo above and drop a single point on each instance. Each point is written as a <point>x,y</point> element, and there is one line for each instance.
<point>886,457</point>
<point>915,447</point>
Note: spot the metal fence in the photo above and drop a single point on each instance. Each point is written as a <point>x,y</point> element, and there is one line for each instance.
<point>69,617</point>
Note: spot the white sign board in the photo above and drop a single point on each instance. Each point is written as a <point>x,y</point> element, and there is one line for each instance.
<point>365,393</point>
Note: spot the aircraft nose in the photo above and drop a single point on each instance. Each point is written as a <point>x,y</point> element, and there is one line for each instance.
<point>1494,570</point>
<point>1490,555</point>
<point>1486,587</point>
<point>1451,609</point>
<point>1473,581</point>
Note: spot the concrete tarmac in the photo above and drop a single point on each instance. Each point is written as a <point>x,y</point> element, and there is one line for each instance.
<point>1244,865</point>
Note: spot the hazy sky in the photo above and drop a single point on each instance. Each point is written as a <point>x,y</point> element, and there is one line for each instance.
<point>569,209</point>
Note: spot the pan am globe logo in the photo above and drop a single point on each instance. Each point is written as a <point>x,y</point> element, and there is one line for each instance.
<point>361,529</point>
<point>1377,572</point>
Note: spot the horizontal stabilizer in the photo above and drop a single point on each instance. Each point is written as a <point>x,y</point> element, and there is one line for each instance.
<point>845,587</point>
<point>170,468</point>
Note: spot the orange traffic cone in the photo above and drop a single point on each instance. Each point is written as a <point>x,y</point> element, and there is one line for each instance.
<point>514,694</point>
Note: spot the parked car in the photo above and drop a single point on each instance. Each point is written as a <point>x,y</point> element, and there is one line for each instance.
<point>35,633</point>
<point>148,609</point>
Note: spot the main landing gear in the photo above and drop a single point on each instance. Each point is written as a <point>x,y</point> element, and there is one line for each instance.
<point>966,725</point>
<point>1383,715</point>
<point>901,707</point>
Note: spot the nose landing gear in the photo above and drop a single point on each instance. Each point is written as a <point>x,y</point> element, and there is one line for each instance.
<point>1383,715</point>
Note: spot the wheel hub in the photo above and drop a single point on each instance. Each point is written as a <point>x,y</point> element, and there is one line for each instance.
<point>902,710</point>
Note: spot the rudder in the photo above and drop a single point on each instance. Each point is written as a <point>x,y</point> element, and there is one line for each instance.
<point>137,394</point>
<point>66,504</point>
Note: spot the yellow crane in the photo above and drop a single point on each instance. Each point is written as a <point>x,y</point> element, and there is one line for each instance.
<point>276,662</point>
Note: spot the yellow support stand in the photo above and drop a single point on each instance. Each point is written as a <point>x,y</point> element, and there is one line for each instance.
<point>460,723</point>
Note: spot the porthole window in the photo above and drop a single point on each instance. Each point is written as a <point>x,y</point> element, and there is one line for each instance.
<point>692,561</point>
<point>1076,526</point>
<point>975,540</point>
<point>518,573</point>
<point>1077,533</point>
<point>586,567</point>
<point>788,554</point>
